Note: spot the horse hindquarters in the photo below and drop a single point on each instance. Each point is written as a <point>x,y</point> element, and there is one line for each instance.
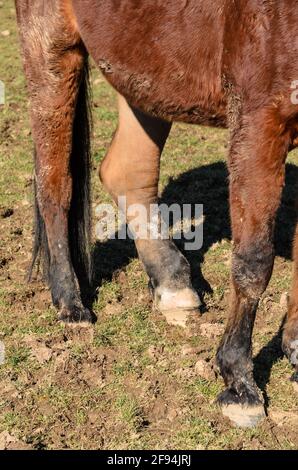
<point>257,160</point>
<point>131,170</point>
<point>55,66</point>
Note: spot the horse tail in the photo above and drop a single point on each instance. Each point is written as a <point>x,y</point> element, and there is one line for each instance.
<point>79,219</point>
<point>80,210</point>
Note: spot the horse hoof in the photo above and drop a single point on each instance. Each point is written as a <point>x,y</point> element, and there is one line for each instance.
<point>179,317</point>
<point>75,314</point>
<point>242,415</point>
<point>178,306</point>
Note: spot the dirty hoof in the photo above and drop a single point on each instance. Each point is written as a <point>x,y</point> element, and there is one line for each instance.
<point>76,314</point>
<point>242,414</point>
<point>180,317</point>
<point>177,306</point>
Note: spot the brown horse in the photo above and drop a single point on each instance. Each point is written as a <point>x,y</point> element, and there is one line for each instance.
<point>219,62</point>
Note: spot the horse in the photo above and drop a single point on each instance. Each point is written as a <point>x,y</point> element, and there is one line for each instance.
<point>220,63</point>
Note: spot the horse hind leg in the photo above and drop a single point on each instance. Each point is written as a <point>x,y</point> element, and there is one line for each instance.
<point>290,333</point>
<point>55,66</point>
<point>257,161</point>
<point>131,170</point>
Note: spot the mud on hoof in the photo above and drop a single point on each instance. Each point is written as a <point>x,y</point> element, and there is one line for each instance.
<point>76,314</point>
<point>245,411</point>
<point>177,306</point>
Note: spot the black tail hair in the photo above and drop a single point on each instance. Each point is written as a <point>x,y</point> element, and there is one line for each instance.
<point>79,221</point>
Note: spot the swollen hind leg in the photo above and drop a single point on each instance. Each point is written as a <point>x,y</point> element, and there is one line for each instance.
<point>54,65</point>
<point>131,171</point>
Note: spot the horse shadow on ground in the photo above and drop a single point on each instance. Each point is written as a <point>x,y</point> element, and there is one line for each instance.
<point>208,185</point>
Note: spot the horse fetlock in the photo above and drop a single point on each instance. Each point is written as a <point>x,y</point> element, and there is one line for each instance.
<point>290,346</point>
<point>66,296</point>
<point>64,285</point>
<point>251,272</point>
<point>235,365</point>
<point>164,263</point>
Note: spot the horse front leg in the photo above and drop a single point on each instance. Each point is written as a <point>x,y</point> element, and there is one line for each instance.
<point>131,170</point>
<point>55,60</point>
<point>256,164</point>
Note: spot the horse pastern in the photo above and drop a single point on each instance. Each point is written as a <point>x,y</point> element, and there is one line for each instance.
<point>247,397</point>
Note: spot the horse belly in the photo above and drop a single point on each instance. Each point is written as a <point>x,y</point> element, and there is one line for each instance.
<point>156,55</point>
<point>170,95</point>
